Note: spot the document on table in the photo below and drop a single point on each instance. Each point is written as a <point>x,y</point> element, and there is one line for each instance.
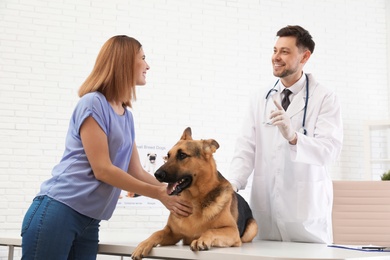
<point>373,248</point>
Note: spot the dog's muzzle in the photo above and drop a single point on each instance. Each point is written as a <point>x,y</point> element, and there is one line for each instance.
<point>174,187</point>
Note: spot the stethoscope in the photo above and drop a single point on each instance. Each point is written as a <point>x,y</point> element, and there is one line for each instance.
<point>273,91</point>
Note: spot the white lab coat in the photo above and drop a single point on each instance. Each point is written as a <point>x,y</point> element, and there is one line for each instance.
<point>292,194</point>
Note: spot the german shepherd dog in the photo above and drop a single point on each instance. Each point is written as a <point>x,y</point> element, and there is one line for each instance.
<point>220,218</point>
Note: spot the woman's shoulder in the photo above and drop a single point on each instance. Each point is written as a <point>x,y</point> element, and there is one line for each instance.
<point>93,95</point>
<point>93,99</point>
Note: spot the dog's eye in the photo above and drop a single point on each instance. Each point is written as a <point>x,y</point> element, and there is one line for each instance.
<point>182,156</point>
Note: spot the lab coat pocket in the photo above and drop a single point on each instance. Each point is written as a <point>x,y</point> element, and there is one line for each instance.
<point>312,200</point>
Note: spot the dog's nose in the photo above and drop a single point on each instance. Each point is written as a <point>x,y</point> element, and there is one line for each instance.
<point>160,175</point>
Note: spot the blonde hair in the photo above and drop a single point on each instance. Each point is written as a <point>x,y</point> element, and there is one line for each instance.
<point>113,73</point>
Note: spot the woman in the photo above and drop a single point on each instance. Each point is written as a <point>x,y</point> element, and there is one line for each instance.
<point>99,161</point>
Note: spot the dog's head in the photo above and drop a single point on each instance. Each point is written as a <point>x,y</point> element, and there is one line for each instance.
<point>188,161</point>
<point>152,157</point>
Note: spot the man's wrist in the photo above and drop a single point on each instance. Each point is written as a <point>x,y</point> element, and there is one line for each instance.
<point>234,188</point>
<point>294,140</point>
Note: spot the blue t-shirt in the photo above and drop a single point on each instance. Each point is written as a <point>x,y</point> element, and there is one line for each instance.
<point>73,182</point>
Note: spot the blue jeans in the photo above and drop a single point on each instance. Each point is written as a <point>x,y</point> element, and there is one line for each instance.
<point>52,230</point>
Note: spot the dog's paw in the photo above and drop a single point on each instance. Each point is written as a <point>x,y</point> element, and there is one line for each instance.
<point>141,251</point>
<point>200,245</point>
<point>136,257</point>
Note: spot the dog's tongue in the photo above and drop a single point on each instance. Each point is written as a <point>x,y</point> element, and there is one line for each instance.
<point>171,188</point>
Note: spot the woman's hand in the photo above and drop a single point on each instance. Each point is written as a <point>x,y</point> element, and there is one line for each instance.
<point>175,204</point>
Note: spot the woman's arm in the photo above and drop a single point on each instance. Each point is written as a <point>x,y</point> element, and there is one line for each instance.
<point>139,181</point>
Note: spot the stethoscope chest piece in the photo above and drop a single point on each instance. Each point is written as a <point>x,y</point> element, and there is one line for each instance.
<point>302,130</point>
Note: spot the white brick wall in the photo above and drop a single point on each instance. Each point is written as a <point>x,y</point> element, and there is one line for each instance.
<point>206,57</point>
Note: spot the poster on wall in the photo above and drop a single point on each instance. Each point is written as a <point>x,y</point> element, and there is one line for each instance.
<point>152,156</point>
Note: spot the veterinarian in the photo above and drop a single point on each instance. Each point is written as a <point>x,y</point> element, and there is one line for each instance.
<point>289,149</point>
<point>100,160</point>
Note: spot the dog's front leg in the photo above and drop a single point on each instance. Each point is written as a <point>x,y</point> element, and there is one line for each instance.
<point>219,237</point>
<point>161,237</point>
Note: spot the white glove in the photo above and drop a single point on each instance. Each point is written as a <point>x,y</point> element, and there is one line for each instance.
<point>280,119</point>
<point>234,188</point>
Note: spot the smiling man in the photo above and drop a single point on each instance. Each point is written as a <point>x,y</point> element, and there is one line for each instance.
<point>292,131</point>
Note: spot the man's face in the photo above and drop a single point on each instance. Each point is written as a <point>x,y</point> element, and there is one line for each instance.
<point>287,58</point>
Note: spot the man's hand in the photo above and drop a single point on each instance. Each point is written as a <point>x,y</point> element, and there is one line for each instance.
<point>280,119</point>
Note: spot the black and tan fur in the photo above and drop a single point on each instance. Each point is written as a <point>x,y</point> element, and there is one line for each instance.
<point>191,172</point>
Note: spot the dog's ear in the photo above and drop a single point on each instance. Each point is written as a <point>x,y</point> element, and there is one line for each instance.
<point>187,134</point>
<point>210,146</point>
